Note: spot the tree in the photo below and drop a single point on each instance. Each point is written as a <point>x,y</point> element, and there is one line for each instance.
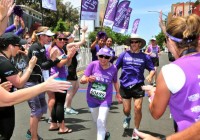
<point>117,38</point>
<point>65,11</point>
<point>61,26</point>
<point>160,39</point>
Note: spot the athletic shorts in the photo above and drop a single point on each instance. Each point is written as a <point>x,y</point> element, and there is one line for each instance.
<point>155,61</point>
<point>133,92</point>
<point>37,104</point>
<point>72,76</point>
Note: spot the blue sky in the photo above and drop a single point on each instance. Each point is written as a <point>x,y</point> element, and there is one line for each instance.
<point>148,25</point>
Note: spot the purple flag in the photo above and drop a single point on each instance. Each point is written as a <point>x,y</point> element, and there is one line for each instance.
<point>135,26</point>
<point>120,16</point>
<point>49,4</point>
<point>109,16</point>
<point>89,9</point>
<point>127,19</point>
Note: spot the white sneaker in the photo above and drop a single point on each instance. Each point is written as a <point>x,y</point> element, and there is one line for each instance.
<point>70,111</point>
<point>126,122</point>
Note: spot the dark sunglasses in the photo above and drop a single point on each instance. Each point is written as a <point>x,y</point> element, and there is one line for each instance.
<point>134,42</point>
<point>106,57</point>
<point>60,39</point>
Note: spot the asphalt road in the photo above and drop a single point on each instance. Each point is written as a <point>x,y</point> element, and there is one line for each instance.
<point>84,128</point>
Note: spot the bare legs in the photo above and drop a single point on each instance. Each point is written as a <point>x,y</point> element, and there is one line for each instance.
<point>71,93</point>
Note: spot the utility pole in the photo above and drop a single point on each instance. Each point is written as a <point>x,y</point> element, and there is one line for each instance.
<point>190,10</point>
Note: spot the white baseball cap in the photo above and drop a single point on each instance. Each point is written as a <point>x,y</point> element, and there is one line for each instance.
<point>48,33</point>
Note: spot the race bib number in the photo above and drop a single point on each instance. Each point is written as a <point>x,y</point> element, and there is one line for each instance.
<point>98,90</point>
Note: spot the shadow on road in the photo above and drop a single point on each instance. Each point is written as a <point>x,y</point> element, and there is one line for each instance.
<point>114,107</point>
<point>77,127</point>
<point>82,110</point>
<point>129,132</point>
<point>74,120</point>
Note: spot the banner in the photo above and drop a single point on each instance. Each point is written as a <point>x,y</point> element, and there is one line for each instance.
<point>135,26</point>
<point>109,16</point>
<point>49,4</point>
<point>127,19</point>
<point>89,9</point>
<point>120,17</point>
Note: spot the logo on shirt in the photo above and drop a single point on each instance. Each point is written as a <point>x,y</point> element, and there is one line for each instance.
<point>9,72</point>
<point>109,73</point>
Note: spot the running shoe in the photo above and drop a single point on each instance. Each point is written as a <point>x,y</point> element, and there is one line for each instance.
<point>28,136</point>
<point>126,123</point>
<point>107,136</point>
<point>134,136</point>
<point>154,84</point>
<point>49,120</point>
<point>70,111</point>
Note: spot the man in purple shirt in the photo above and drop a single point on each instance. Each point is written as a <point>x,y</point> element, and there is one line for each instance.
<point>133,63</point>
<point>98,44</point>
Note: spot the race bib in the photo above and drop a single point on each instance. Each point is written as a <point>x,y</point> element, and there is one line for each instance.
<point>153,54</point>
<point>98,90</point>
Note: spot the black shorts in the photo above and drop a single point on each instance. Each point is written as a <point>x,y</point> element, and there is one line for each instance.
<point>72,76</point>
<point>134,92</point>
<point>155,61</point>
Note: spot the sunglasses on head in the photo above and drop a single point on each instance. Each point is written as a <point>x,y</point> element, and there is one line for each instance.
<point>106,57</point>
<point>60,39</point>
<point>134,41</point>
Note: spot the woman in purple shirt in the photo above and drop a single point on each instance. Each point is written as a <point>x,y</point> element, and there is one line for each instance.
<point>100,76</point>
<point>178,82</point>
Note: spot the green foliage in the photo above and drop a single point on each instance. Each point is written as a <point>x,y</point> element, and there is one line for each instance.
<point>160,39</point>
<point>65,11</point>
<point>61,26</point>
<point>117,38</point>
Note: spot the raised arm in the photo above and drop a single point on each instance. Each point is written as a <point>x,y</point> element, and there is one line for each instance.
<point>70,45</point>
<point>76,28</point>
<point>162,26</point>
<point>21,95</point>
<point>6,8</point>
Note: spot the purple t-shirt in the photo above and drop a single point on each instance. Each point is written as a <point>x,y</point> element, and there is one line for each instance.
<point>185,104</point>
<point>133,66</point>
<point>94,52</point>
<point>99,93</point>
<point>154,49</point>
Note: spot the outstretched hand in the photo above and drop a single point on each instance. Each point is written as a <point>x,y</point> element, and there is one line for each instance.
<point>146,136</point>
<point>10,5</point>
<point>84,29</point>
<point>57,86</point>
<point>6,7</point>
<point>162,26</point>
<point>76,27</point>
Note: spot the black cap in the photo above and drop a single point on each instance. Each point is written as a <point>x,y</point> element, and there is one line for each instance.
<point>10,38</point>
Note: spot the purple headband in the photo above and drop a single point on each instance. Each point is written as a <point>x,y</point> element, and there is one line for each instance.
<point>174,38</point>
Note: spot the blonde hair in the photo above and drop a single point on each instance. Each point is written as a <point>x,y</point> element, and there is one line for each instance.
<point>185,28</point>
<point>67,34</point>
<point>34,37</point>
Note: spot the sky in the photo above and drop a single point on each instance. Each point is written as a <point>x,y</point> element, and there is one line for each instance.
<point>148,26</point>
